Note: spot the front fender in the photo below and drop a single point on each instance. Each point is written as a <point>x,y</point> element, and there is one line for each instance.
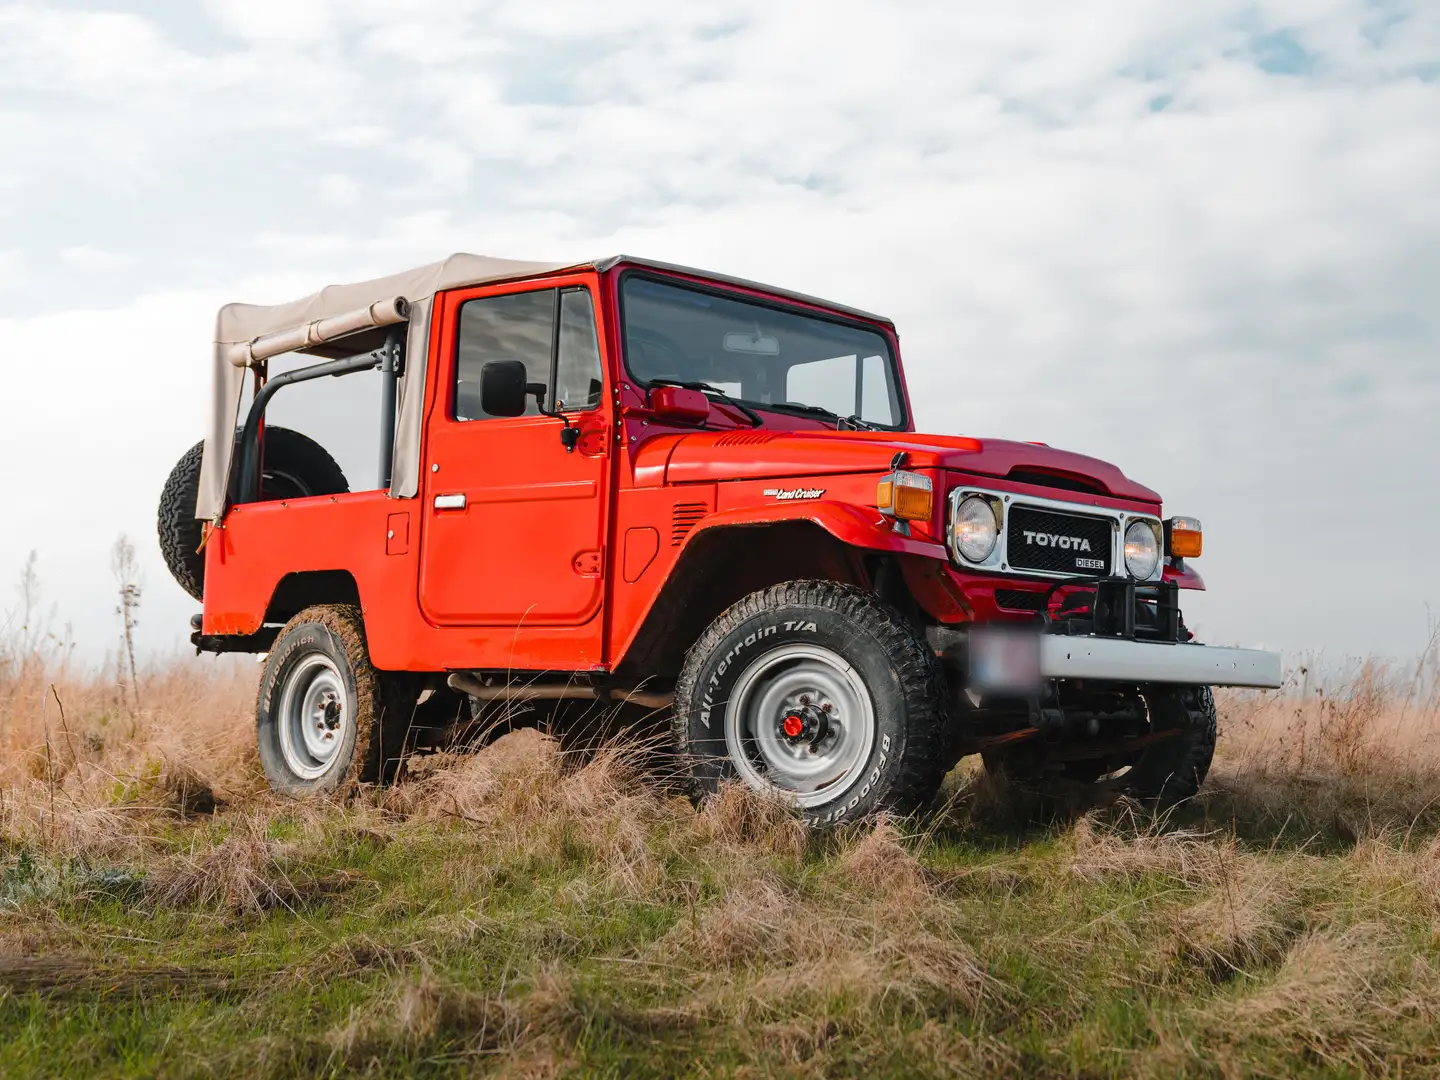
<point>1187,577</point>
<point>853,525</point>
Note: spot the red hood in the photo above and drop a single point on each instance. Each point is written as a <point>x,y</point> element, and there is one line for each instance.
<point>763,455</point>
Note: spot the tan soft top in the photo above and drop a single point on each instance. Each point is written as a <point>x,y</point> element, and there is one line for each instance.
<point>246,333</point>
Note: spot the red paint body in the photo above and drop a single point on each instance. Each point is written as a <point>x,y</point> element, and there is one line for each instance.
<point>558,559</point>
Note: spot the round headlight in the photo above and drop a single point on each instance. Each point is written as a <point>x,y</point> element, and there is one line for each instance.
<point>976,529</point>
<point>1142,549</point>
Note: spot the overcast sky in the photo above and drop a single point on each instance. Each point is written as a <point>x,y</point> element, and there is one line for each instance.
<point>1201,240</point>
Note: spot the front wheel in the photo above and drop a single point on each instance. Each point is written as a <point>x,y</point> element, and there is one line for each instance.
<point>817,693</point>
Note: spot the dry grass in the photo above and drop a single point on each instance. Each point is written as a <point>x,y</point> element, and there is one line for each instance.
<point>532,912</point>
<point>1355,757</point>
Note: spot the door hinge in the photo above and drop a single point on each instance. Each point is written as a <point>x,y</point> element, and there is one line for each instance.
<point>587,563</point>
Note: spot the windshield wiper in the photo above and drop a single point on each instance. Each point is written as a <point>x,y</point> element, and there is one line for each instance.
<point>819,410</point>
<point>756,420</point>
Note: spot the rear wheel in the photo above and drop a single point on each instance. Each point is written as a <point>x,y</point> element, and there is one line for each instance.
<point>325,718</point>
<point>817,693</point>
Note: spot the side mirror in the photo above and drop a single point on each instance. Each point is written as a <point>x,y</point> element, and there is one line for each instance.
<point>680,403</point>
<point>503,388</point>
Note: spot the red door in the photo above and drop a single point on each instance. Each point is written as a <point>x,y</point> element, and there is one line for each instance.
<point>514,523</point>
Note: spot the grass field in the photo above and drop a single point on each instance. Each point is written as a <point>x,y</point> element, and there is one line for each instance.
<point>519,912</point>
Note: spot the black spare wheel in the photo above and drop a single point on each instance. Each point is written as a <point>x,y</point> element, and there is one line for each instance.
<point>817,693</point>
<point>295,466</point>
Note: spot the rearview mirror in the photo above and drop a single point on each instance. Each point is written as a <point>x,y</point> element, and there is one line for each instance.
<point>503,388</point>
<point>756,344</point>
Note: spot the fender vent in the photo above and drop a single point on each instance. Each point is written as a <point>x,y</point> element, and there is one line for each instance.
<point>686,515</point>
<point>746,438</point>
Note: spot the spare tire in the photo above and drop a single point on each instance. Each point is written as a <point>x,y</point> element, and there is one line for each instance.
<point>295,466</point>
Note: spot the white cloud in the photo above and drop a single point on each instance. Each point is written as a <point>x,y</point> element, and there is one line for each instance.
<point>94,259</point>
<point>1197,239</point>
<point>338,189</point>
<point>275,20</point>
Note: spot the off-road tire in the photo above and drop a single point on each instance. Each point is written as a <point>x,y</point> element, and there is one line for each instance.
<point>1172,771</point>
<point>1165,772</point>
<point>295,466</point>
<point>905,764</point>
<point>179,533</point>
<point>376,705</point>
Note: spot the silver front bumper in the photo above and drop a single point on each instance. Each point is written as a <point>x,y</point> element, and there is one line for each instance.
<point>1118,660</point>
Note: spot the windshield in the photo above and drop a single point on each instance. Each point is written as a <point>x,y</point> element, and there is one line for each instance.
<point>764,356</point>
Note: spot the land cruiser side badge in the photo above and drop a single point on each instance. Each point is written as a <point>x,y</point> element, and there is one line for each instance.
<point>784,494</point>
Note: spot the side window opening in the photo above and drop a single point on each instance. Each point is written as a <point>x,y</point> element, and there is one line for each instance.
<point>327,428</point>
<point>522,326</point>
<point>341,414</point>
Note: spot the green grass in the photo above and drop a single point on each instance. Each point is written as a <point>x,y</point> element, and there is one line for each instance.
<point>523,917</point>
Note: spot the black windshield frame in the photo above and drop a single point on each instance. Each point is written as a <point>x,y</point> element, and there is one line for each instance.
<point>901,404</point>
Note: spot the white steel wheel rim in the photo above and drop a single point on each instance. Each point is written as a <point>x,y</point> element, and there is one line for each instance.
<point>314,717</point>
<point>790,678</point>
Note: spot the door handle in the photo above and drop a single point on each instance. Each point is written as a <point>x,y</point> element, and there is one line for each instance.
<point>450,502</point>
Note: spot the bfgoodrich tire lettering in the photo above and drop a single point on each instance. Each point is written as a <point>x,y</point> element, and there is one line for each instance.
<point>852,642</point>
<point>318,681</point>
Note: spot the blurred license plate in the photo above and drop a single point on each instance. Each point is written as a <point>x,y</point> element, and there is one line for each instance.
<point>1004,659</point>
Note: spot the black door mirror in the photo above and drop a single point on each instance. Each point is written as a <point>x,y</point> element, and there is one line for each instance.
<point>503,388</point>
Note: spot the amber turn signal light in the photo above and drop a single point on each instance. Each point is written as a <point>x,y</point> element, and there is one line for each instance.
<point>905,496</point>
<point>1183,536</point>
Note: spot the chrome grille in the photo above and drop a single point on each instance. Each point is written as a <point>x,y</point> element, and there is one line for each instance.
<point>1056,543</point>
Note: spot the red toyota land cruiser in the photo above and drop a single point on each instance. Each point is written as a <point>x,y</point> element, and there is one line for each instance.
<point>634,484</point>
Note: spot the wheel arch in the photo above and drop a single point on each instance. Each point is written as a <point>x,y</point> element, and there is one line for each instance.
<point>724,563</point>
<point>303,589</point>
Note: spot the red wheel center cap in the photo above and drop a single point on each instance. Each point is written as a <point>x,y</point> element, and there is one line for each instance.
<point>793,726</point>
